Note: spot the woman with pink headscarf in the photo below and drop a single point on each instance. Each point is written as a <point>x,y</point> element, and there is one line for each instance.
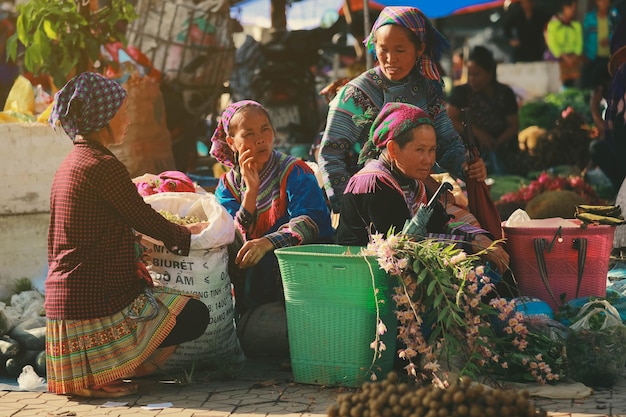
<point>389,189</point>
<point>274,198</point>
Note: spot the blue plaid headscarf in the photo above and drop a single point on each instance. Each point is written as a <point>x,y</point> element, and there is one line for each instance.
<point>100,98</point>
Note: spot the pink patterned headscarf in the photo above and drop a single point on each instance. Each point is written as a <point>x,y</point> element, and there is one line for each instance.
<point>219,147</point>
<point>414,20</point>
<point>393,120</point>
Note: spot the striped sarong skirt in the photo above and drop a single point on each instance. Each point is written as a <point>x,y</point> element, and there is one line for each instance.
<point>84,353</point>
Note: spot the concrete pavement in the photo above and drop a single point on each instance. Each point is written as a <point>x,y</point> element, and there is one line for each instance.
<point>259,387</point>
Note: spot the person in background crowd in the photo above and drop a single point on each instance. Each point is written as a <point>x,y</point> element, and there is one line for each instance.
<point>601,85</point>
<point>523,29</point>
<point>388,190</point>
<point>597,33</point>
<point>274,198</point>
<point>105,319</point>
<point>494,112</point>
<point>608,153</point>
<point>564,37</point>
<point>406,45</point>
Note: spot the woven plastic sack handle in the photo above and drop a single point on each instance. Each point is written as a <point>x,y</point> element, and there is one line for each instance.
<point>611,315</point>
<point>540,244</point>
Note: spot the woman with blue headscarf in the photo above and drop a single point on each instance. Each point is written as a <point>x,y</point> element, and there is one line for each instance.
<point>105,319</point>
<point>407,46</point>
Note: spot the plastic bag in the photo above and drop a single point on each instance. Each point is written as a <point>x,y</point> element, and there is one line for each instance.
<point>42,100</point>
<point>21,97</point>
<point>29,380</point>
<point>596,347</point>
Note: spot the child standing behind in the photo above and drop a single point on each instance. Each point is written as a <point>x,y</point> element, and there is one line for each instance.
<point>564,37</point>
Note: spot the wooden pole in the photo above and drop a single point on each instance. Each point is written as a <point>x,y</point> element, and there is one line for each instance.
<point>366,30</point>
<point>278,15</point>
<point>84,9</point>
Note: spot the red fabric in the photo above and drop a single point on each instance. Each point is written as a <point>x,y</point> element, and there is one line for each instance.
<point>481,205</point>
<point>481,7</point>
<point>113,70</point>
<point>144,275</point>
<point>357,5</point>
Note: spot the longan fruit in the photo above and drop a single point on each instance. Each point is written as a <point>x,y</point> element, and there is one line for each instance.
<point>356,411</point>
<point>458,397</point>
<point>462,410</point>
<point>475,411</point>
<point>392,377</point>
<point>522,403</point>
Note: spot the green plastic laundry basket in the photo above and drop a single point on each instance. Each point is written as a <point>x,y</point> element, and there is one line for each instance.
<point>331,314</point>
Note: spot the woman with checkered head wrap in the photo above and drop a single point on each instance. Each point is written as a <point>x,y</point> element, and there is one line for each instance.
<point>407,47</point>
<point>105,319</point>
<point>390,188</point>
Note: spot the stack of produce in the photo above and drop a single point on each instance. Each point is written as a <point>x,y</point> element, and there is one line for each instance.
<point>466,398</point>
<point>23,334</point>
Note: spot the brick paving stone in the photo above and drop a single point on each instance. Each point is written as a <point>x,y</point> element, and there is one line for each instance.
<point>259,396</point>
<point>249,414</point>
<point>278,408</point>
<point>178,412</point>
<point>211,414</point>
<point>229,397</point>
<point>217,407</point>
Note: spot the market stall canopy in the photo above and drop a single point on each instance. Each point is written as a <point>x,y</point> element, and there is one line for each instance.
<point>432,9</point>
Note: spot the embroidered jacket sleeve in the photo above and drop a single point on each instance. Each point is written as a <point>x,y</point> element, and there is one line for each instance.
<point>342,141</point>
<point>343,138</point>
<point>309,217</point>
<point>244,220</point>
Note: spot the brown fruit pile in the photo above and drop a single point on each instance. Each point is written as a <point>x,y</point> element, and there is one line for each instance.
<point>391,398</point>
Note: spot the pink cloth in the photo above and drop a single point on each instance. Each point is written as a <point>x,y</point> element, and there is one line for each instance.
<point>167,182</point>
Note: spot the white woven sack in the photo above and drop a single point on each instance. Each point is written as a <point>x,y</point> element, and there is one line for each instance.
<point>203,272</point>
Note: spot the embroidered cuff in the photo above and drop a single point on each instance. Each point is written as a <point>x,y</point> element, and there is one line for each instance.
<point>245,218</point>
<point>281,239</point>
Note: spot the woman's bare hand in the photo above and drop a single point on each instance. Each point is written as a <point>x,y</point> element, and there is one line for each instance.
<point>252,251</point>
<point>495,255</point>
<point>249,170</point>
<point>476,170</point>
<point>196,228</point>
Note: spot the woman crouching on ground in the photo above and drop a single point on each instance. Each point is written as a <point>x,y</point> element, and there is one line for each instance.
<point>105,321</point>
<point>389,189</point>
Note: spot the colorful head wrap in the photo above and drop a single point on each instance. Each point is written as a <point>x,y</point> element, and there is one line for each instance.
<point>414,20</point>
<point>100,100</point>
<point>219,147</point>
<point>393,120</point>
